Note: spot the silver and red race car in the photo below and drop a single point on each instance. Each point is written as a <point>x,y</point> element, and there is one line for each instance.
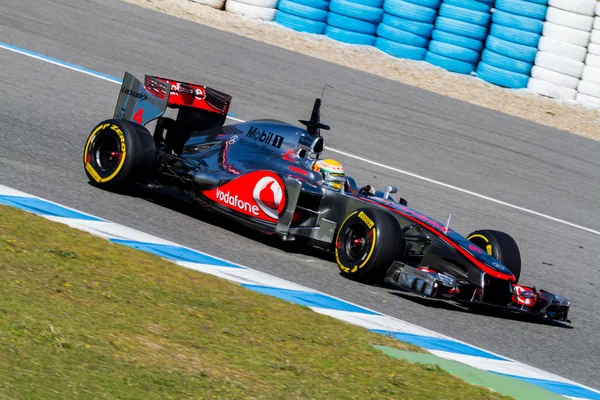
<point>262,173</point>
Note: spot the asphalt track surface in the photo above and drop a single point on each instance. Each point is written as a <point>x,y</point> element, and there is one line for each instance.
<point>46,113</point>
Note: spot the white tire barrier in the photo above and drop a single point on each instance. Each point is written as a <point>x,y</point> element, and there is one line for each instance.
<point>591,74</point>
<point>588,101</point>
<point>559,64</point>
<point>565,34</point>
<point>589,89</point>
<point>589,86</point>
<point>547,75</point>
<point>551,90</point>
<point>594,49</point>
<point>261,3</point>
<point>583,7</point>
<point>569,19</point>
<point>592,60</point>
<point>563,49</point>
<point>250,11</point>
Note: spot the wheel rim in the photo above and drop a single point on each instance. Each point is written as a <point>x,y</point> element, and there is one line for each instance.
<point>356,242</point>
<point>107,153</point>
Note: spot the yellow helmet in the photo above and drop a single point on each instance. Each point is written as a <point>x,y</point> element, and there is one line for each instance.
<point>332,172</point>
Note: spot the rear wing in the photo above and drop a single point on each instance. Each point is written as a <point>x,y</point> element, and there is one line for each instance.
<point>145,102</point>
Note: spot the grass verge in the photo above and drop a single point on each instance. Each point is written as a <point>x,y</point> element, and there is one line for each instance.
<point>83,318</point>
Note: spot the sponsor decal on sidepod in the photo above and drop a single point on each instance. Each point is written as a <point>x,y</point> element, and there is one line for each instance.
<point>259,194</point>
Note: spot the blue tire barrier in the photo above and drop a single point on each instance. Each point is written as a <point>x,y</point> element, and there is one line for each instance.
<point>502,77</point>
<point>320,4</point>
<point>455,52</point>
<point>506,63</point>
<point>400,50</point>
<point>457,40</point>
<point>300,24</point>
<point>465,15</point>
<point>512,50</point>
<point>426,3</point>
<point>517,22</point>
<point>299,10</point>
<point>471,5</point>
<point>449,64</point>
<point>400,36</point>
<point>345,36</point>
<point>413,12</point>
<point>369,3</point>
<point>461,28</point>
<point>418,28</point>
<point>355,10</point>
<point>351,24</point>
<point>523,8</point>
<point>515,35</point>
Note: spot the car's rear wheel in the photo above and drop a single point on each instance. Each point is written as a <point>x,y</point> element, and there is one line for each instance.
<point>367,243</point>
<point>501,246</point>
<point>117,153</point>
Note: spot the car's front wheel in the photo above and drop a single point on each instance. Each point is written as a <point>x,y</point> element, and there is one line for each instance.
<point>118,152</point>
<point>367,243</point>
<point>501,246</point>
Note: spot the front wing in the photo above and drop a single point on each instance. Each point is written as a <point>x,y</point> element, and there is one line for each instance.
<point>523,299</point>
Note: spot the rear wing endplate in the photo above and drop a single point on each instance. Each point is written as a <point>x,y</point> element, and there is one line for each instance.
<point>142,103</point>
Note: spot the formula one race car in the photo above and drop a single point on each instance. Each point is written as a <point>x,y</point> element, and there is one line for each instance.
<point>269,175</point>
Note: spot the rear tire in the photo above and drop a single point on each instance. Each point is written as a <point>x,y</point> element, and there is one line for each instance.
<point>117,153</point>
<point>501,246</point>
<point>367,243</point>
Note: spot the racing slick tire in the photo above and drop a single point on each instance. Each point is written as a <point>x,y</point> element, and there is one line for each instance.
<point>367,243</point>
<point>117,153</point>
<point>501,246</point>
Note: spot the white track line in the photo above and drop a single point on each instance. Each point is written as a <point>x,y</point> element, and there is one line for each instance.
<point>423,178</point>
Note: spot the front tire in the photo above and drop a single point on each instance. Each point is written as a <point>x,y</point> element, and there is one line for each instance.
<point>367,243</point>
<point>117,153</point>
<point>501,246</point>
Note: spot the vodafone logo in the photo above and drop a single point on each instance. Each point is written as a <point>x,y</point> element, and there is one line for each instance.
<point>234,201</point>
<point>257,194</point>
<point>178,88</point>
<point>268,194</point>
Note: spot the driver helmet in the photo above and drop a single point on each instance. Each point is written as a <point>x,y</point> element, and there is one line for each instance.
<point>332,172</point>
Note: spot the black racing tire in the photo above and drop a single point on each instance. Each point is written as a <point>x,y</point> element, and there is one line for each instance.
<point>501,246</point>
<point>367,243</point>
<point>118,153</point>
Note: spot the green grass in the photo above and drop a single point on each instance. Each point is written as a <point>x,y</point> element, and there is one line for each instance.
<point>83,318</point>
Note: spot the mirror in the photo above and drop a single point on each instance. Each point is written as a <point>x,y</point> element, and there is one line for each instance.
<point>388,190</point>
